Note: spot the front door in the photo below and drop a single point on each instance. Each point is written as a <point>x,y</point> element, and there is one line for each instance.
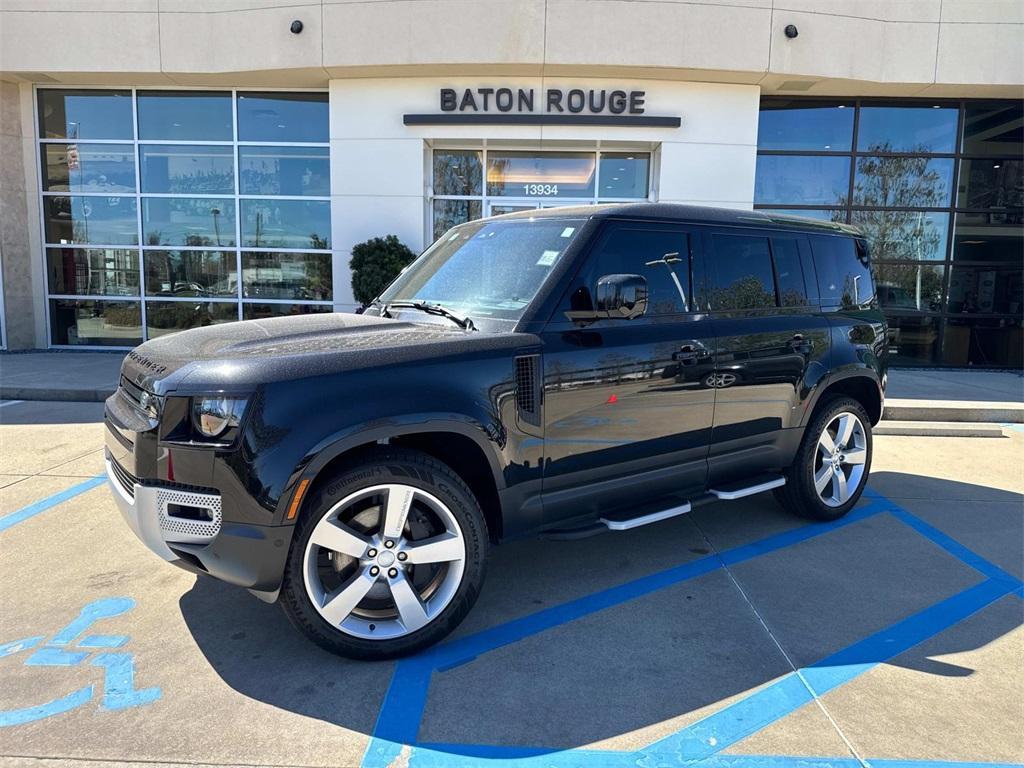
<point>627,417</point>
<point>772,344</point>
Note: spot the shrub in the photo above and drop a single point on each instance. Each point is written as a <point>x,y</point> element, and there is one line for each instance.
<point>375,264</point>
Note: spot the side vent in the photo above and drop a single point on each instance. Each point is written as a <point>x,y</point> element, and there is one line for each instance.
<point>528,388</point>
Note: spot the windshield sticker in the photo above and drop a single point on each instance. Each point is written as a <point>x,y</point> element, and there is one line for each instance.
<point>547,258</point>
<point>567,232</point>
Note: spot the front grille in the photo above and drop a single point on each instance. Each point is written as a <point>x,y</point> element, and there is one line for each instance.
<point>125,478</point>
<point>143,401</point>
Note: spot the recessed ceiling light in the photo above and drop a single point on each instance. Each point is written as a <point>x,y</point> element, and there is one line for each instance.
<point>828,146</point>
<point>996,165</point>
<point>841,106</point>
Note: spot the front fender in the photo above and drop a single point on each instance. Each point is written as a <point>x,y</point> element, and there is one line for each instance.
<point>322,454</point>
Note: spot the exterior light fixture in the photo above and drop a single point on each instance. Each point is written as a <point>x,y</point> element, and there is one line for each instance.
<point>791,31</point>
<point>296,27</point>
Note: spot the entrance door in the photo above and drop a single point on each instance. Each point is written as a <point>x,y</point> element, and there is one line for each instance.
<point>626,415</point>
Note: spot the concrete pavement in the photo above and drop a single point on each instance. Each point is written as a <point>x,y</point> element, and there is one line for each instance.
<point>675,640</point>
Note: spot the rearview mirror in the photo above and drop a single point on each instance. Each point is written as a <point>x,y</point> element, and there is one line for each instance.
<point>621,297</point>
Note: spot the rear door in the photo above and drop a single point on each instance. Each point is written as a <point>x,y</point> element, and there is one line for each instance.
<point>772,345</point>
<point>627,418</point>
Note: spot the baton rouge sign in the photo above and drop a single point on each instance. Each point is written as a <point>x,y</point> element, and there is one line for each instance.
<point>551,106</point>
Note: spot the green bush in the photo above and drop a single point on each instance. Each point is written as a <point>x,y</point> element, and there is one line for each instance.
<point>375,264</point>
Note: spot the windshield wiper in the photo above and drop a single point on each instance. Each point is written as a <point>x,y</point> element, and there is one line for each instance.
<point>463,321</point>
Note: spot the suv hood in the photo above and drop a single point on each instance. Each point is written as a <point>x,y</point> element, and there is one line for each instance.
<point>253,351</point>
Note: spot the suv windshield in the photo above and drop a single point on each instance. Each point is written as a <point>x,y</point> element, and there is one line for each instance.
<point>486,269</point>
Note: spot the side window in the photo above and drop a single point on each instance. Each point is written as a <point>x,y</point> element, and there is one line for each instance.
<point>741,273</point>
<point>662,256</point>
<point>789,274</point>
<point>844,271</point>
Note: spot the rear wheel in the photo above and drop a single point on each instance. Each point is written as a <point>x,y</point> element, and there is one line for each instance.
<point>831,467</point>
<point>387,559</point>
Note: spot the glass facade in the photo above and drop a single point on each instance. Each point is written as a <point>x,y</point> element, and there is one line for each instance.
<point>938,189</point>
<point>166,210</point>
<point>471,183</point>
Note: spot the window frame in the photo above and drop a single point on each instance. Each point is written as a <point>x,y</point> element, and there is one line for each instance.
<point>239,300</point>
<point>486,201</point>
<point>848,210</point>
<point>598,239</point>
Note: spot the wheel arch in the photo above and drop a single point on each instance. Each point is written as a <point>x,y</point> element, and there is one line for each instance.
<point>464,446</point>
<point>862,386</point>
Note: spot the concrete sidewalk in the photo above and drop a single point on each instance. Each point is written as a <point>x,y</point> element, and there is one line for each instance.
<point>78,376</point>
<point>913,394</point>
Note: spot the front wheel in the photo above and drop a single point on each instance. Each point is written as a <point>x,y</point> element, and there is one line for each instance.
<point>831,467</point>
<point>387,559</point>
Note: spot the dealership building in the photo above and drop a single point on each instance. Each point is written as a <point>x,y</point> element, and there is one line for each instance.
<point>172,163</point>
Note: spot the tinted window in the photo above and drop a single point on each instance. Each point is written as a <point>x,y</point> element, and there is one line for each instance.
<point>799,180</point>
<point>898,182</point>
<point>185,116</point>
<point>299,117</point>
<point>907,129</point>
<point>458,172</point>
<point>789,273</point>
<point>286,224</point>
<point>85,114</point>
<point>994,129</point>
<point>624,175</point>
<point>95,219</point>
<point>805,125</point>
<point>187,169</point>
<point>284,171</point>
<point>741,273</point>
<point>88,168</point>
<point>904,235</point>
<point>660,256</point>
<point>196,221</point>
<point>844,275</point>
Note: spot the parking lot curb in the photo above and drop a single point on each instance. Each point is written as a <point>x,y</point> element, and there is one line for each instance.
<point>52,394</point>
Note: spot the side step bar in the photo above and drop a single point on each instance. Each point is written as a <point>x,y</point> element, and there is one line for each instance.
<point>668,507</point>
<point>734,491</point>
<point>624,524</point>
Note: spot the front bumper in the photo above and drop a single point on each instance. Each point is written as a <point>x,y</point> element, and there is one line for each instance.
<point>251,556</point>
<point>152,512</point>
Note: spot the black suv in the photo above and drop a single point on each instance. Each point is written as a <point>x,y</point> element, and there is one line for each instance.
<point>561,372</point>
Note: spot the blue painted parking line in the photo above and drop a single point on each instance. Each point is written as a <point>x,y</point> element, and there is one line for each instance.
<point>26,513</point>
<point>396,732</point>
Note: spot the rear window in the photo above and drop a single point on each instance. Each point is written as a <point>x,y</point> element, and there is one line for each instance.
<point>844,271</point>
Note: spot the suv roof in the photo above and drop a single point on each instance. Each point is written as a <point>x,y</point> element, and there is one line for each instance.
<point>688,213</point>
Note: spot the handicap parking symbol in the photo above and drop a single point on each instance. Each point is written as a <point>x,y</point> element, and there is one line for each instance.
<point>69,647</point>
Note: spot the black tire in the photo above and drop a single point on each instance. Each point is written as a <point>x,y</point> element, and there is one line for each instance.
<point>400,466</point>
<point>799,495</point>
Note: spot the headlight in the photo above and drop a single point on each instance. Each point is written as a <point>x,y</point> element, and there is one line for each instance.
<point>213,416</point>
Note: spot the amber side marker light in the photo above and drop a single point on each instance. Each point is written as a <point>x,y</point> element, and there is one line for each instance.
<point>293,508</point>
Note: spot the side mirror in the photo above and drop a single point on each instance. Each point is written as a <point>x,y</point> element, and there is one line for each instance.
<point>621,297</point>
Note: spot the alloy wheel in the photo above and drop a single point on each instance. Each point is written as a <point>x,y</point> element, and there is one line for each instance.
<point>840,459</point>
<point>384,562</point>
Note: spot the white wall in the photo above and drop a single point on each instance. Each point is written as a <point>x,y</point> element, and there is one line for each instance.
<point>379,173</point>
<point>864,47</point>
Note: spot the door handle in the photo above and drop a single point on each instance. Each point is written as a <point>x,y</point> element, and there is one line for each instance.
<point>800,344</point>
<point>689,353</point>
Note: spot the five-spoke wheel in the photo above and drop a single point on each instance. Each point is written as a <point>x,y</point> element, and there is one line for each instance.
<point>842,451</point>
<point>384,561</point>
<point>387,557</point>
<point>831,467</point>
